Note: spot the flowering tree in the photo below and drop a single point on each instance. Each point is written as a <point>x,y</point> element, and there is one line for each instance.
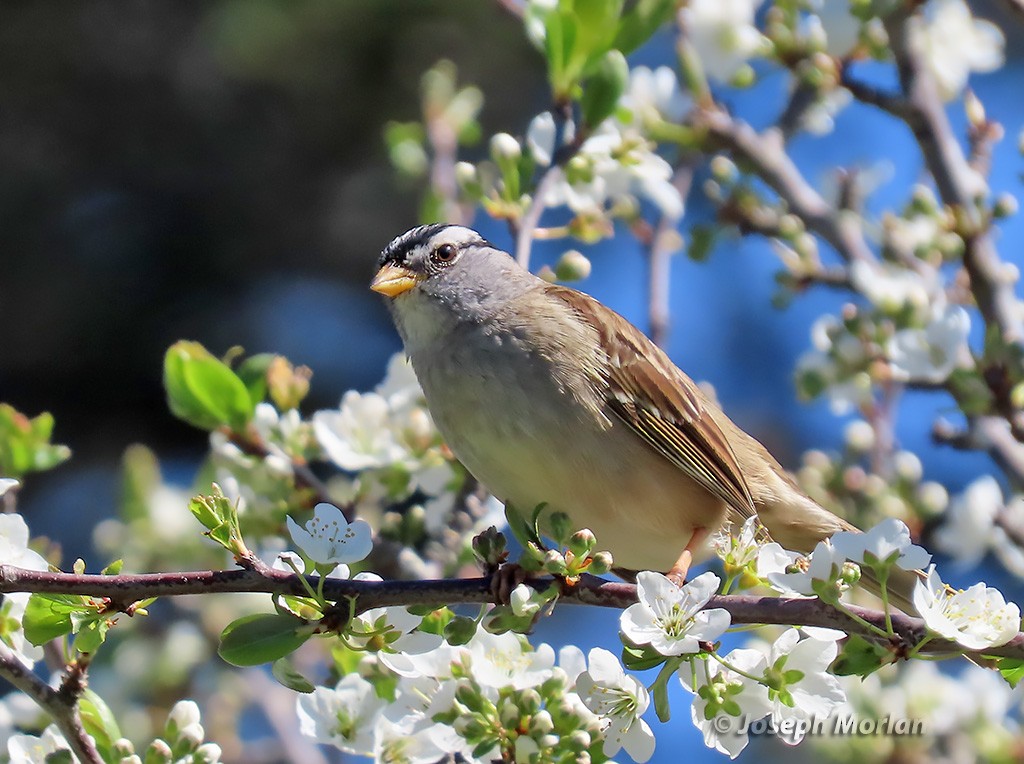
<point>414,677</point>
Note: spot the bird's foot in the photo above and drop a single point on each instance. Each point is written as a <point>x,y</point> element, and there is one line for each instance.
<point>677,574</point>
<point>504,579</point>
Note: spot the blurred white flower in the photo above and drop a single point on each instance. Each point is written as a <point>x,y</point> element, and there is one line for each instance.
<point>890,287</point>
<point>887,541</point>
<point>14,551</point>
<point>405,743</point>
<point>842,28</point>
<point>541,135</point>
<point>500,660</point>
<point>738,550</point>
<point>619,699</point>
<point>670,618</point>
<point>953,44</point>
<point>329,538</point>
<point>7,484</point>
<point>654,95</point>
<point>29,749</point>
<point>723,34</point>
<point>977,617</point>
<point>799,682</point>
<point>344,717</point>
<point>400,387</point>
<point>819,118</point>
<point>967,530</point>
<point>720,691</point>
<point>358,435</point>
<point>930,354</point>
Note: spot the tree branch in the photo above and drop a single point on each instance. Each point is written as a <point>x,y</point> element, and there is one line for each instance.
<point>955,179</point>
<point>60,704</point>
<point>765,154</point>
<point>122,590</point>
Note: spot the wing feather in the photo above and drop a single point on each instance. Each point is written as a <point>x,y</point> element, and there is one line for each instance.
<point>661,404</point>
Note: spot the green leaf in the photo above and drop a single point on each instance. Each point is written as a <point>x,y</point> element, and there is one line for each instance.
<point>48,616</point>
<point>459,630</point>
<point>253,373</point>
<point>99,722</point>
<point>659,690</point>
<point>604,88</point>
<point>90,633</point>
<point>1012,670</point>
<point>262,638</point>
<point>285,673</point>
<point>202,390</point>
<point>113,568</point>
<point>859,657</point>
<point>641,22</point>
<point>641,658</point>
<point>25,443</point>
<point>140,477</point>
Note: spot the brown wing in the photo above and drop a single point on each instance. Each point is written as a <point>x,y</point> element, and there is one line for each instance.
<point>661,404</point>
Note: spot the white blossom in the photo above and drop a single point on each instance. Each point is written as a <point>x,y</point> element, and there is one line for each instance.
<point>14,551</point>
<point>500,660</point>
<point>887,541</point>
<point>890,287</point>
<point>721,692</point>
<point>791,573</point>
<point>402,743</point>
<point>344,717</point>
<point>621,700</point>
<point>670,618</point>
<point>392,631</point>
<point>930,354</point>
<point>29,749</point>
<point>976,618</point>
<point>723,34</point>
<point>842,28</point>
<point>400,387</point>
<point>358,435</point>
<point>968,528</point>
<point>801,686</point>
<point>541,135</point>
<point>654,95</point>
<point>953,44</point>
<point>328,538</point>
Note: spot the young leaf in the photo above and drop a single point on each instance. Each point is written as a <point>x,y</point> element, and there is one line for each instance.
<point>202,390</point>
<point>99,722</point>
<point>48,616</point>
<point>604,88</point>
<point>262,638</point>
<point>285,673</point>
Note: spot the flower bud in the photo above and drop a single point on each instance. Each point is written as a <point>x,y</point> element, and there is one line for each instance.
<point>158,752</point>
<point>601,563</point>
<point>1005,206</point>
<point>554,562</point>
<point>582,542</point>
<point>505,148</point>
<point>207,753</point>
<point>908,466</point>
<point>529,701</point>
<point>934,498</point>
<point>859,436</point>
<point>572,266</point>
<point>465,175</point>
<point>541,724</point>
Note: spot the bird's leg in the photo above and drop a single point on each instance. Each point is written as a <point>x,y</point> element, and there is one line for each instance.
<point>678,572</point>
<point>504,579</point>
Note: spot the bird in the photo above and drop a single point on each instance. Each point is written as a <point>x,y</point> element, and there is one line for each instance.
<point>549,397</point>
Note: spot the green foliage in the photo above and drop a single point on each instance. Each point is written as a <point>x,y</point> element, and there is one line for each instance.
<point>203,390</point>
<point>262,638</point>
<point>219,515</point>
<point>860,657</point>
<point>99,721</point>
<point>285,673</point>
<point>603,90</point>
<point>1012,670</point>
<point>25,443</point>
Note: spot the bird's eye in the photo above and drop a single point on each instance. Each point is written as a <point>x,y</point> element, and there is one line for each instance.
<point>444,254</point>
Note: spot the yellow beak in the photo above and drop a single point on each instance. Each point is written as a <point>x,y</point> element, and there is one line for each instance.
<point>393,280</point>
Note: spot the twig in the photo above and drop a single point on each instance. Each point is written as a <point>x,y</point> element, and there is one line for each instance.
<point>60,704</point>
<point>955,179</point>
<point>121,590</point>
<point>561,153</point>
<point>990,434</point>
<point>765,154</point>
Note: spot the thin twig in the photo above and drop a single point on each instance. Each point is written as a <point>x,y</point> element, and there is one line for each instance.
<point>121,590</point>
<point>60,704</point>
<point>765,154</point>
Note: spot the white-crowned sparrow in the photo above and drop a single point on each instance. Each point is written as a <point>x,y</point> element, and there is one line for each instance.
<point>548,396</point>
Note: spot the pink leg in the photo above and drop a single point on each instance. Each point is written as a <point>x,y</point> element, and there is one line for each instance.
<point>678,572</point>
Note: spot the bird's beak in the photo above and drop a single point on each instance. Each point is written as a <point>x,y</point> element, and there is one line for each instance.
<point>393,280</point>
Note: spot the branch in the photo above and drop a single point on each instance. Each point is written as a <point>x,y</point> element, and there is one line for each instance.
<point>765,153</point>
<point>60,704</point>
<point>954,177</point>
<point>122,590</point>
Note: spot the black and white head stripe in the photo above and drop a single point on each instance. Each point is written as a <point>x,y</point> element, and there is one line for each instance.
<point>426,235</point>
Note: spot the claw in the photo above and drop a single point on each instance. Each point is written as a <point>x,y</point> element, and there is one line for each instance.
<point>503,580</point>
